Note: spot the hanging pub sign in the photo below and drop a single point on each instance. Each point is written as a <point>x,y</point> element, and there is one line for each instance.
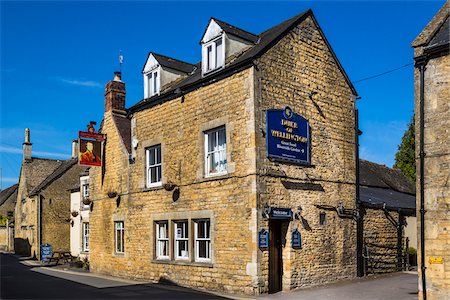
<point>287,136</point>
<point>263,239</point>
<point>90,147</point>
<point>296,239</point>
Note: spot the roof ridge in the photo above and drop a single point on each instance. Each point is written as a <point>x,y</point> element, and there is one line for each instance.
<point>60,170</point>
<point>165,56</point>
<point>228,24</point>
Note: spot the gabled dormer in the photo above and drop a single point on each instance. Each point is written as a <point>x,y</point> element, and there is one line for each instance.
<point>159,71</point>
<point>220,42</point>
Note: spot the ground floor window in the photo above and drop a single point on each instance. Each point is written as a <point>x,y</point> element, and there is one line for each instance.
<point>181,240</point>
<point>85,230</point>
<point>202,244</point>
<point>162,240</point>
<point>120,230</point>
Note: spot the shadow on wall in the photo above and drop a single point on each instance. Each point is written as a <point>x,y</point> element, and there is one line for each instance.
<point>22,247</point>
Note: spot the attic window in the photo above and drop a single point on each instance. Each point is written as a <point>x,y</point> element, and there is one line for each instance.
<point>213,55</point>
<point>151,83</point>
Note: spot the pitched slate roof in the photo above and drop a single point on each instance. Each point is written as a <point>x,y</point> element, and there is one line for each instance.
<point>442,36</point>
<point>380,176</point>
<point>432,27</point>
<point>35,171</point>
<point>228,28</point>
<point>266,40</point>
<point>6,193</point>
<point>173,63</point>
<point>383,187</point>
<point>58,172</point>
<point>124,127</point>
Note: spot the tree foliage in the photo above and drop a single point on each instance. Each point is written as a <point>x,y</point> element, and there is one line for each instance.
<point>405,157</point>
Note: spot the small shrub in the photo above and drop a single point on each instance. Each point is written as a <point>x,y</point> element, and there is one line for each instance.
<point>411,251</point>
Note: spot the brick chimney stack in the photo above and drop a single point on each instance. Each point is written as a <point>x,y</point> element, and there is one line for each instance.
<point>27,146</point>
<point>115,94</point>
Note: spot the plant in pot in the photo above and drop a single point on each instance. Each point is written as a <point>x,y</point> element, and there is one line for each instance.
<point>86,201</point>
<point>74,213</point>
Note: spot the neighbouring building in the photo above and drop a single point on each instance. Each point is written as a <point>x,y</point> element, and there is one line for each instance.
<point>432,110</point>
<point>8,198</point>
<point>79,210</point>
<point>216,178</point>
<point>43,202</point>
<point>388,198</point>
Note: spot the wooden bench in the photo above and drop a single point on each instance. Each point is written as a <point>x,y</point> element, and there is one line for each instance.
<point>64,256</point>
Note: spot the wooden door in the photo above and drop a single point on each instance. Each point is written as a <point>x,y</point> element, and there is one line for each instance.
<point>275,256</point>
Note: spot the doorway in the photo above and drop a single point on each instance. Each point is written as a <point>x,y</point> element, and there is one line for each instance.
<point>275,256</point>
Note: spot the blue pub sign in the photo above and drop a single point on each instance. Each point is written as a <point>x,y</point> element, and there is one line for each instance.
<point>296,239</point>
<point>287,136</point>
<point>263,239</point>
<point>46,252</point>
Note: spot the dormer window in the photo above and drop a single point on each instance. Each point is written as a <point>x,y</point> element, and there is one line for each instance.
<point>151,83</point>
<point>213,55</point>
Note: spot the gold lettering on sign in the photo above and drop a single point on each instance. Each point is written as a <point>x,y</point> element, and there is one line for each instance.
<point>288,123</point>
<point>436,260</point>
<point>289,136</point>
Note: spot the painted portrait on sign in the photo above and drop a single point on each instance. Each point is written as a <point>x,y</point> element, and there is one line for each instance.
<point>90,153</point>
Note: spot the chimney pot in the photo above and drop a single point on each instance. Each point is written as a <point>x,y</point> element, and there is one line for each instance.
<point>117,76</point>
<point>115,93</point>
<point>74,148</point>
<point>27,146</point>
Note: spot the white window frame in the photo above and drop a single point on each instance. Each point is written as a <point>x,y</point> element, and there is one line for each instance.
<point>183,226</point>
<point>156,165</point>
<point>208,154</point>
<point>119,229</point>
<point>162,240</point>
<point>85,234</point>
<point>85,189</point>
<point>216,64</point>
<point>152,86</point>
<point>197,241</point>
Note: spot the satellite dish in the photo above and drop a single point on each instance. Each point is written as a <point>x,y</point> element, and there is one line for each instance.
<point>135,143</point>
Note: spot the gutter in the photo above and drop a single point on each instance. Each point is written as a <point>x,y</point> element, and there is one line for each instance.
<point>421,63</point>
<point>359,206</point>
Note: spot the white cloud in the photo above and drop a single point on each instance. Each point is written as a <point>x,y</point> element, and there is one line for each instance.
<point>86,83</point>
<point>14,150</point>
<point>10,179</point>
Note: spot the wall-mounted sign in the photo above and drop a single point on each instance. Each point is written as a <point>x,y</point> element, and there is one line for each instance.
<point>263,239</point>
<point>90,147</point>
<point>90,152</point>
<point>296,239</point>
<point>287,136</point>
<point>280,213</point>
<point>46,252</point>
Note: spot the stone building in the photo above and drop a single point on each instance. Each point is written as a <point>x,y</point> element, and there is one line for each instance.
<point>189,191</point>
<point>388,198</point>
<point>8,198</point>
<point>432,108</point>
<point>79,209</point>
<point>42,212</point>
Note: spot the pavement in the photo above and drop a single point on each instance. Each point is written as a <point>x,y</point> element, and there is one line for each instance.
<point>394,286</point>
<point>24,278</point>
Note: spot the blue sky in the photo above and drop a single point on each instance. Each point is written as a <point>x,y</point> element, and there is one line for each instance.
<point>57,56</point>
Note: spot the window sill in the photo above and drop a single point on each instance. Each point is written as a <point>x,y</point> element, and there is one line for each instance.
<point>117,254</point>
<point>152,188</point>
<point>184,263</point>
<point>215,177</point>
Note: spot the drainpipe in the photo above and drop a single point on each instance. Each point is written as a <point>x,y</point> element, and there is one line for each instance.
<point>421,64</point>
<point>359,208</point>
